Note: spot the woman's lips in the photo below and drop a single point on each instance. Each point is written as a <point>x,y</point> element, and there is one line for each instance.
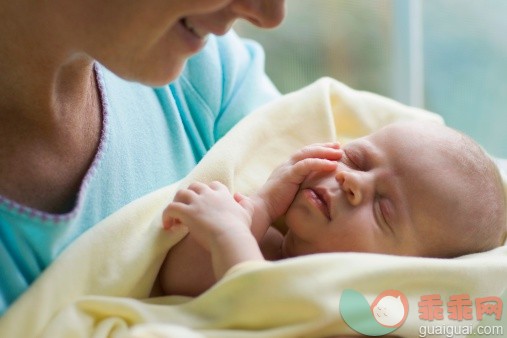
<point>194,30</point>
<point>318,201</point>
<point>192,39</point>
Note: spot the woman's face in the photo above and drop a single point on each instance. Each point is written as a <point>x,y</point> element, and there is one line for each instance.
<point>150,40</point>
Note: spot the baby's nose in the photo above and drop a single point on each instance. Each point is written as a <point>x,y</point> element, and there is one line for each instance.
<point>350,184</point>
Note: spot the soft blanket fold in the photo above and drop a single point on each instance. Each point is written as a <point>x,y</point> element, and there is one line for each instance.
<point>99,286</point>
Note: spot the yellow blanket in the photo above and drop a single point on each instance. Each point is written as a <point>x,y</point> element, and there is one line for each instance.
<point>99,285</point>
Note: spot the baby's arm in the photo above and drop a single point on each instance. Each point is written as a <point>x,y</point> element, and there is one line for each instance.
<point>224,226</point>
<point>217,222</point>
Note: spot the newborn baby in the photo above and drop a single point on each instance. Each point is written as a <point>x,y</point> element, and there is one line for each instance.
<point>411,188</point>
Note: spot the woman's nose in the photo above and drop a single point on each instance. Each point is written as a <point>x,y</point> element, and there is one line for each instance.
<point>262,13</point>
<point>354,185</point>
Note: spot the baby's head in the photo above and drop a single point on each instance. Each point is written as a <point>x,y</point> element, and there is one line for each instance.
<point>411,188</point>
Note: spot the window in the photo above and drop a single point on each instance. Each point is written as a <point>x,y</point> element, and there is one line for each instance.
<point>447,56</point>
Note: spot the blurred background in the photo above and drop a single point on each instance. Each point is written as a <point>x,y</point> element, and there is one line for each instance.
<point>447,56</point>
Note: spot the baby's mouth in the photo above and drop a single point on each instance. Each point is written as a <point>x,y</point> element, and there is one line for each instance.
<point>318,199</point>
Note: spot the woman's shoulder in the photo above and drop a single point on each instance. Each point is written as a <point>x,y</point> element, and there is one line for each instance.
<point>220,68</point>
<point>227,78</point>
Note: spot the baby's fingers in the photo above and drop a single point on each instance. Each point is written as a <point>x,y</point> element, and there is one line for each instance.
<point>173,214</point>
<point>304,167</point>
<point>244,202</point>
<point>185,195</point>
<point>197,187</point>
<point>329,151</point>
<point>170,222</point>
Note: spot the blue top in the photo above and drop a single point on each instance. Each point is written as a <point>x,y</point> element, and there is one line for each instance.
<point>150,137</point>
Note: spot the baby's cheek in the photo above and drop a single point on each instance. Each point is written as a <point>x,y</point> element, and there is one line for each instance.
<point>347,236</point>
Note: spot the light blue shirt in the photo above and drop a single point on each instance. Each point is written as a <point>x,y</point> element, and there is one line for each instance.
<point>151,137</point>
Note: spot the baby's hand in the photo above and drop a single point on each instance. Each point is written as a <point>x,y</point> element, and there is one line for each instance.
<point>281,187</point>
<point>209,211</point>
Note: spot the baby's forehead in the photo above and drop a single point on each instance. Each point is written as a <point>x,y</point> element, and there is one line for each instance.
<point>426,163</point>
<point>430,169</point>
<point>413,129</point>
<point>408,139</point>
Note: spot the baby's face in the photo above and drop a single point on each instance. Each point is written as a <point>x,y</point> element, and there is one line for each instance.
<point>390,194</point>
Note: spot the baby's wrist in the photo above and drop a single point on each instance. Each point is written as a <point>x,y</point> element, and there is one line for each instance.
<point>232,249</point>
<point>262,217</point>
<point>230,234</point>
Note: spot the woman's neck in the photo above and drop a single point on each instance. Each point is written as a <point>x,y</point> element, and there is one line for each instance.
<point>50,112</point>
<point>50,123</point>
<point>46,150</point>
<point>45,94</point>
<point>43,76</point>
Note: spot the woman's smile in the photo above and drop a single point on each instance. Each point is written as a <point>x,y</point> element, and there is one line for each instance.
<point>193,38</point>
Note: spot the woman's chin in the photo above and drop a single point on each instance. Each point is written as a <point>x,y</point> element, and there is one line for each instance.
<point>160,78</point>
<point>150,73</point>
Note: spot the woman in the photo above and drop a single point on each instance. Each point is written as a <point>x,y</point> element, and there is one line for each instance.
<point>87,122</point>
